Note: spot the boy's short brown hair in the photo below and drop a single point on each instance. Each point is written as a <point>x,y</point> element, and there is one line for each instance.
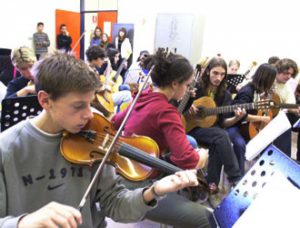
<point>61,73</point>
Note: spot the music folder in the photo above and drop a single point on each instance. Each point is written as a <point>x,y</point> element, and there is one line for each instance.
<point>233,80</point>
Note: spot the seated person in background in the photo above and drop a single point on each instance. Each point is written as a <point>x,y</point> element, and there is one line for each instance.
<point>273,60</point>
<point>287,69</point>
<point>96,56</point>
<point>262,82</point>
<point>213,84</point>
<point>233,66</point>
<point>39,188</point>
<point>136,74</point>
<point>22,58</point>
<point>155,117</point>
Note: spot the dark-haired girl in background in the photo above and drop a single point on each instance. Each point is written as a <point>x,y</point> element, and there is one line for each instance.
<point>262,82</point>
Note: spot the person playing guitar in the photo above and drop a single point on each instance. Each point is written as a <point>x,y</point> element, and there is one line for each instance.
<point>262,82</point>
<point>105,100</point>
<point>213,84</point>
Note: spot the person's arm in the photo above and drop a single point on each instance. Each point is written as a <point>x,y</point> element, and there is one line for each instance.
<point>6,221</point>
<point>59,43</point>
<point>182,154</point>
<point>36,43</point>
<point>16,86</point>
<point>47,41</point>
<point>123,205</point>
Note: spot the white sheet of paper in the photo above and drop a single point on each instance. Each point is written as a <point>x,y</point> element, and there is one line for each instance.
<point>275,128</point>
<point>107,27</point>
<point>276,206</point>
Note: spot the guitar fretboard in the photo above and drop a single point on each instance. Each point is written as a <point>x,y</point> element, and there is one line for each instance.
<point>226,109</point>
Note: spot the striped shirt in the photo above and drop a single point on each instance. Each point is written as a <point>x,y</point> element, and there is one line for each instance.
<point>41,42</point>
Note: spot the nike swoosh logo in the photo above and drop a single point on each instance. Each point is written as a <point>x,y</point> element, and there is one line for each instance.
<point>54,187</point>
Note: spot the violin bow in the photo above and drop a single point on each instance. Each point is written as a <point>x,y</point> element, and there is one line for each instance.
<point>109,150</point>
<point>77,42</point>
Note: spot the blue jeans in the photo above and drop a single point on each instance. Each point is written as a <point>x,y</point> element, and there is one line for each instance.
<point>220,153</point>
<point>192,141</point>
<point>239,146</point>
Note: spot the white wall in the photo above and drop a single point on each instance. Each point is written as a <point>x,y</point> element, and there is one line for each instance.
<point>18,20</point>
<point>250,30</point>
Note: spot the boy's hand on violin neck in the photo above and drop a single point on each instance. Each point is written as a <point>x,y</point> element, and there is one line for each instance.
<point>175,182</point>
<point>52,215</point>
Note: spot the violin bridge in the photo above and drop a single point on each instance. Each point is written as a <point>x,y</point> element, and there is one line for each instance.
<point>104,145</point>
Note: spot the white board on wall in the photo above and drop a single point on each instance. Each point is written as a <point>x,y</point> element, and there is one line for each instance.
<point>174,31</point>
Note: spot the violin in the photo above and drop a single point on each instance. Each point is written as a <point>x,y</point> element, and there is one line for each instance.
<point>136,158</point>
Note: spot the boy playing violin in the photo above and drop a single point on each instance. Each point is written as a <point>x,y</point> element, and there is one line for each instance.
<point>38,187</point>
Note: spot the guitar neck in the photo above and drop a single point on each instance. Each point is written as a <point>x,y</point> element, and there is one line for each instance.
<point>183,102</point>
<point>186,98</point>
<point>287,106</point>
<point>119,70</point>
<point>142,157</point>
<point>228,108</point>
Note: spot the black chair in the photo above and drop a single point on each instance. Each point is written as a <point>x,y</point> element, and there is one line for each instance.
<point>6,69</point>
<point>5,51</point>
<point>17,109</point>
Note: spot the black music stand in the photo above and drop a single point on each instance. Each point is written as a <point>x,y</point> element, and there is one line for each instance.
<point>240,198</point>
<point>16,109</point>
<point>233,80</point>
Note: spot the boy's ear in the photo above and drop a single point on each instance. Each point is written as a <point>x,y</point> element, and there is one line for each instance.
<point>44,99</point>
<point>174,84</point>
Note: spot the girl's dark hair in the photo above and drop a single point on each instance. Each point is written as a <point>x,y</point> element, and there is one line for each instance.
<point>264,77</point>
<point>95,52</point>
<point>205,78</point>
<point>168,68</point>
<point>125,33</point>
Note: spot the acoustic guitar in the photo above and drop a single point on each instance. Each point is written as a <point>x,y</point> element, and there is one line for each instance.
<point>208,112</point>
<point>104,101</point>
<point>251,129</point>
<point>116,79</point>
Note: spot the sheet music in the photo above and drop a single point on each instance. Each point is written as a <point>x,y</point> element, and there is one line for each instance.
<point>275,128</point>
<point>276,206</point>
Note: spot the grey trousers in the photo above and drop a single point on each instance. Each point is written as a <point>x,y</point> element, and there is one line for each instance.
<point>175,209</point>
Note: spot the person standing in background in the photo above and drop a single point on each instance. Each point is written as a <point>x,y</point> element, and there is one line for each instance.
<point>64,40</point>
<point>41,41</point>
<point>123,45</point>
<point>105,41</point>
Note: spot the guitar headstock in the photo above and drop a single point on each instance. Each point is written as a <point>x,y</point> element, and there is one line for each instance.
<point>253,64</point>
<point>264,104</point>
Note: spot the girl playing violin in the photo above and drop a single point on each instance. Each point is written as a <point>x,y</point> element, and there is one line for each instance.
<point>155,117</point>
<point>38,187</point>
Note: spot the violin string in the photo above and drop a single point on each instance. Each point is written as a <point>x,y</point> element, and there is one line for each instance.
<point>101,137</point>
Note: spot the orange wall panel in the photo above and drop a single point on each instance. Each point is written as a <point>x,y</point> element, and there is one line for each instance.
<point>111,16</point>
